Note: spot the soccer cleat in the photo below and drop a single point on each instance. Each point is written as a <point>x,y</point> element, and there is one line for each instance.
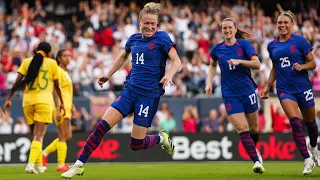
<point>63,168</point>
<point>258,168</point>
<point>259,156</point>
<point>31,170</point>
<point>73,171</point>
<point>42,169</point>
<point>44,160</point>
<point>167,143</point>
<point>308,166</point>
<point>315,154</point>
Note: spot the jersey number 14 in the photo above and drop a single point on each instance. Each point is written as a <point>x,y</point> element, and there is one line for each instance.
<point>139,58</point>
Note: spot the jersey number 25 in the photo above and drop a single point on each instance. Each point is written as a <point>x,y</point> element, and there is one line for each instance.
<point>285,62</point>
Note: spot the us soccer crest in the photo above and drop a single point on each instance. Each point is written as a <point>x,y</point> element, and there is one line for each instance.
<point>292,48</point>
<point>151,45</point>
<point>239,52</point>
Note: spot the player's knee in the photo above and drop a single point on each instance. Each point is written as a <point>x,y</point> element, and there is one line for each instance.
<point>254,129</point>
<point>241,128</point>
<point>37,137</point>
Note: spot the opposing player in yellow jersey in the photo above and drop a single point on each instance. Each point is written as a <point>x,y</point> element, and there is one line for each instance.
<point>37,75</point>
<point>62,122</point>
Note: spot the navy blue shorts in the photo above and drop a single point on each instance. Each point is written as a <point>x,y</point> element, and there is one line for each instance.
<point>144,107</point>
<point>246,103</point>
<point>304,99</point>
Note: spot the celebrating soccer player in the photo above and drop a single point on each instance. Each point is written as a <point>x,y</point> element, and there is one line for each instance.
<point>236,56</point>
<point>291,56</point>
<point>144,85</point>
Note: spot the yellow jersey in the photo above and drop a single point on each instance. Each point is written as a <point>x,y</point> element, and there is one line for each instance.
<point>66,87</point>
<point>40,90</point>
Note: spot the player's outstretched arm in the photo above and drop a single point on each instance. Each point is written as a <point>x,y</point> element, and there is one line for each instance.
<point>58,91</point>
<point>118,63</point>
<point>309,65</point>
<point>254,62</point>
<point>270,81</point>
<point>211,74</point>
<point>16,85</point>
<point>176,63</point>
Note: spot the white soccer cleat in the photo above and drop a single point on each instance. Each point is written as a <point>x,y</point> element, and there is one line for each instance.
<point>73,171</point>
<point>167,143</point>
<point>31,170</point>
<point>259,156</point>
<point>42,169</point>
<point>308,166</point>
<point>258,168</point>
<point>315,154</point>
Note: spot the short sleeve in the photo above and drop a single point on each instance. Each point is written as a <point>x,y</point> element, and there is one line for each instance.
<point>55,71</point>
<point>23,69</point>
<point>305,47</point>
<point>249,49</point>
<point>166,42</point>
<point>213,53</point>
<point>128,45</point>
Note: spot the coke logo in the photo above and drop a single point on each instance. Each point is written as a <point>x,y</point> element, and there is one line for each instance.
<point>272,149</point>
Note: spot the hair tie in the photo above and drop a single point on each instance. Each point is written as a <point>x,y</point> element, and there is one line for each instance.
<point>42,53</point>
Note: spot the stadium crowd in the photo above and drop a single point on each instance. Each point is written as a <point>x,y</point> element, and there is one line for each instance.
<point>96,31</point>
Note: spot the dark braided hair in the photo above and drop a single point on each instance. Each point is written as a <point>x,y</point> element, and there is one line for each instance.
<point>42,51</point>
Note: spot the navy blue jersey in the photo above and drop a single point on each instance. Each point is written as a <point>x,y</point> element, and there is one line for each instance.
<point>235,80</point>
<point>284,55</point>
<point>149,56</point>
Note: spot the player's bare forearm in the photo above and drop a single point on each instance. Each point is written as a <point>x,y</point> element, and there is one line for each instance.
<point>310,64</point>
<point>55,99</point>
<point>176,62</point>
<point>272,77</point>
<point>212,71</point>
<point>58,90</point>
<point>15,86</point>
<point>118,63</point>
<point>253,63</point>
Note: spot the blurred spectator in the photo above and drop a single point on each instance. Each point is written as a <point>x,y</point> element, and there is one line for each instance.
<point>212,124</point>
<point>169,125</point>
<point>318,119</point>
<point>224,119</point>
<point>3,87</point>
<point>162,113</point>
<point>262,121</point>
<point>6,122</point>
<point>127,124</point>
<point>78,120</point>
<point>189,119</point>
<point>21,126</point>
<point>280,122</point>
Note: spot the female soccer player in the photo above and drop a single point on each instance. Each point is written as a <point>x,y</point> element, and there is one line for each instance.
<point>291,57</point>
<point>236,56</point>
<point>62,122</point>
<point>37,75</point>
<point>144,86</point>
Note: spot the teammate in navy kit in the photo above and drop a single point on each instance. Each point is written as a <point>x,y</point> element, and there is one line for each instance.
<point>236,56</point>
<point>291,56</point>
<point>144,85</point>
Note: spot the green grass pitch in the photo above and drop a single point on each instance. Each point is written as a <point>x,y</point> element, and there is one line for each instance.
<point>171,171</point>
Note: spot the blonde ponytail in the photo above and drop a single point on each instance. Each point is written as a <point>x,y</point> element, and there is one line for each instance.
<point>151,8</point>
